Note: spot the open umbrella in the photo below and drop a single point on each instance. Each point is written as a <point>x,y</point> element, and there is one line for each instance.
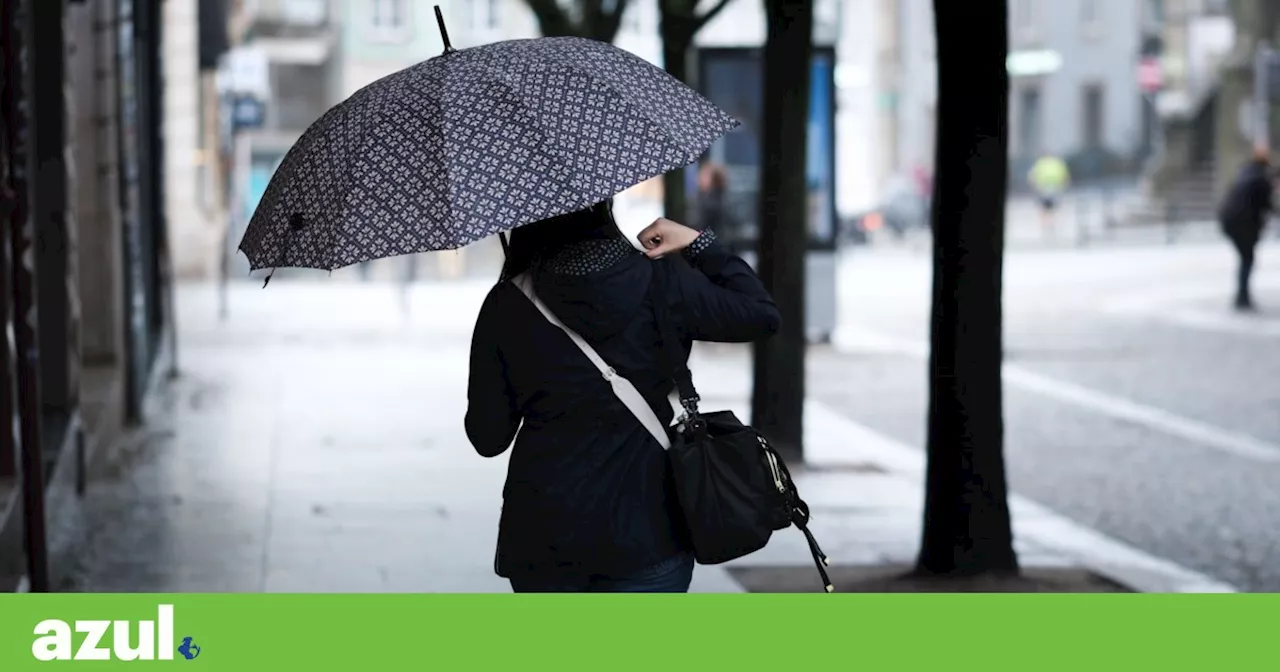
<point>474,142</point>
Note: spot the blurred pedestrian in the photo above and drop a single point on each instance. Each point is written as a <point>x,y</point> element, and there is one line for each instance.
<point>923,178</point>
<point>1049,177</point>
<point>1242,215</point>
<point>712,210</point>
<point>589,504</point>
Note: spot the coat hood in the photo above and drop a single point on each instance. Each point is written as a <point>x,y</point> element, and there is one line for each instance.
<point>596,296</point>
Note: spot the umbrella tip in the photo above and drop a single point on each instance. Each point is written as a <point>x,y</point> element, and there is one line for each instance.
<point>444,32</point>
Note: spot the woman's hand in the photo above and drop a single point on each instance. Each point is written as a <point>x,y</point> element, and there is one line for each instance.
<point>664,237</point>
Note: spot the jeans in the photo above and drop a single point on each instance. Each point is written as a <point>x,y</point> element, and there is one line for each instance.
<point>668,576</point>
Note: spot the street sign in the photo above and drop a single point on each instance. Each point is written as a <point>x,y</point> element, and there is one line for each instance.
<point>1150,75</point>
<point>245,69</point>
<point>247,112</point>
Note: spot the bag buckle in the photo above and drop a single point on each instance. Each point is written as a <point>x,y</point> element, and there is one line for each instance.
<point>610,374</point>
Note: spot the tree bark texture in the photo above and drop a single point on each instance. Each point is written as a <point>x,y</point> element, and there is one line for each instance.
<point>779,367</point>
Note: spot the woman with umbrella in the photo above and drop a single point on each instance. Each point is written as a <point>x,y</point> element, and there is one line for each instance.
<point>535,137</point>
<point>588,501</point>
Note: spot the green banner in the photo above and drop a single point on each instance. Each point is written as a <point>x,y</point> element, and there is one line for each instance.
<point>641,632</point>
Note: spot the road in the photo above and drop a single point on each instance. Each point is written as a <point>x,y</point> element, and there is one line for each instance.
<point>1135,401</point>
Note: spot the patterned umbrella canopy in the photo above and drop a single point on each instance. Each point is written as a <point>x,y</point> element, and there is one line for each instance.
<point>474,142</point>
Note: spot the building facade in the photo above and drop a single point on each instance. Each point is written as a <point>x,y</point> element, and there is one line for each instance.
<point>194,215</point>
<point>1078,95</point>
<point>85,273</point>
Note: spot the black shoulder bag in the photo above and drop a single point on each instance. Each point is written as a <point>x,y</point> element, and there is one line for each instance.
<point>733,487</point>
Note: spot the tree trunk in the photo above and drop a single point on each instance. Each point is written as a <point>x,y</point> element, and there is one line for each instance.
<point>675,60</point>
<point>967,528</point>
<point>778,397</point>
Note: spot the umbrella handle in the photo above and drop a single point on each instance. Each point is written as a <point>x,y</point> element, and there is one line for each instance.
<point>502,236</point>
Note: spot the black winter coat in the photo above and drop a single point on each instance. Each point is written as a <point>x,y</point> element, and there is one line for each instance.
<point>588,489</point>
<point>1244,210</point>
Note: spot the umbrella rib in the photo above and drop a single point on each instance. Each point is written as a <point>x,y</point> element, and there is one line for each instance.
<point>370,115</point>
<point>444,135</point>
<point>625,94</point>
<point>334,232</point>
<point>559,154</point>
<point>496,76</point>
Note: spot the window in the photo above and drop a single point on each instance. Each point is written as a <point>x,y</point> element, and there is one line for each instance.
<point>1088,12</point>
<point>1091,19</point>
<point>482,14</point>
<point>1155,11</point>
<point>389,19</point>
<point>485,14</point>
<point>1024,15</point>
<point>1026,20</point>
<point>1092,116</point>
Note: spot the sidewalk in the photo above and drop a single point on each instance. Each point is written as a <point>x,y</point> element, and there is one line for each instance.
<point>315,444</point>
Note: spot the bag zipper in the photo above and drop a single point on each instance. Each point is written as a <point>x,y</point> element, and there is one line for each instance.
<point>773,467</point>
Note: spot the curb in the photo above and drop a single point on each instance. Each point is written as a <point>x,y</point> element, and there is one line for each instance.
<point>840,441</point>
<point>1088,548</point>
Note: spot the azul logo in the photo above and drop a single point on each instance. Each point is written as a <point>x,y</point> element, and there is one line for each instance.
<point>107,640</point>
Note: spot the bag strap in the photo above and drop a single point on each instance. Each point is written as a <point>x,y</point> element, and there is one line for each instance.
<point>625,391</point>
<point>674,354</point>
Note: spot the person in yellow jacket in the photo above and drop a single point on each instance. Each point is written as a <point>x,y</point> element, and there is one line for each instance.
<point>1050,178</point>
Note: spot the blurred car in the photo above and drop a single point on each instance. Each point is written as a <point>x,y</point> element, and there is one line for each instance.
<point>901,210</point>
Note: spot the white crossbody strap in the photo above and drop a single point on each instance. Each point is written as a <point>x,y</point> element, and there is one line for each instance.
<point>625,391</point>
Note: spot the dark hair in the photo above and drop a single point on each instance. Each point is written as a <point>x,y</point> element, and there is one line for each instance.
<point>541,239</point>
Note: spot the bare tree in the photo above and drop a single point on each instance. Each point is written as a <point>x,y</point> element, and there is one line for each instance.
<point>594,19</point>
<point>777,404</point>
<point>967,527</point>
<point>679,22</point>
